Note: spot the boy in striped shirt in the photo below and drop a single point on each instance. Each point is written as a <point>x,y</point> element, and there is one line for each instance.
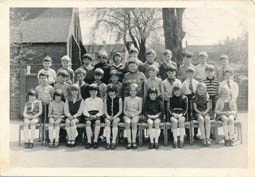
<point>212,84</point>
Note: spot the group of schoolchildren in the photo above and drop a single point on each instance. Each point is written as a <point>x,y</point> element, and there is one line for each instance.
<point>130,92</point>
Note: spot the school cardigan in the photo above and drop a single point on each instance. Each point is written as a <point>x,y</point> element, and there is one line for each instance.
<point>234,89</point>
<point>163,69</point>
<point>52,75</point>
<point>178,105</point>
<point>73,108</point>
<point>32,108</point>
<point>153,107</point>
<point>220,106</point>
<point>212,86</point>
<point>44,93</point>
<point>89,73</point>
<point>168,85</point>
<point>185,86</point>
<point>112,105</point>
<point>56,108</point>
<point>93,104</point>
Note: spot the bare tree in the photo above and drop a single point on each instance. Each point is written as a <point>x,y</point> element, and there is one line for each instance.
<point>173,31</point>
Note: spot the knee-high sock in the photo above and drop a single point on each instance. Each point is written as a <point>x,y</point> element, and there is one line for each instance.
<point>207,129</point>
<point>128,131</point>
<point>107,134</point>
<point>157,134</point>
<point>202,129</point>
<point>89,134</point>
<point>97,129</point>
<point>151,135</point>
<point>114,134</point>
<point>73,132</point>
<point>51,133</point>
<point>26,133</point>
<point>32,134</point>
<point>68,131</point>
<point>225,129</point>
<point>174,134</point>
<point>231,131</point>
<point>182,133</point>
<point>134,132</point>
<point>57,129</point>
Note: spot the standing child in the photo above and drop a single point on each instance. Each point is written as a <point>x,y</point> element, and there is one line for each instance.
<point>102,64</point>
<point>133,55</point>
<point>224,63</point>
<point>73,111</point>
<point>212,84</point>
<point>80,76</point>
<point>153,109</point>
<point>187,58</point>
<point>200,68</point>
<point>202,107</point>
<point>226,110</point>
<point>166,62</point>
<point>117,65</point>
<point>150,57</point>
<point>47,61</point>
<point>153,82</point>
<point>178,106</point>
<point>32,112</point>
<point>62,84</point>
<point>86,60</point>
<point>132,111</point>
<point>98,76</point>
<point>66,62</point>
<point>114,80</point>
<point>56,116</point>
<point>228,82</point>
<point>93,112</point>
<point>113,110</point>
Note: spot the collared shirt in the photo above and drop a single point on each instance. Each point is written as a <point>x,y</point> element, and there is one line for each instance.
<point>212,86</point>
<point>182,75</point>
<point>51,73</point>
<point>168,87</point>
<point>234,88</point>
<point>93,104</point>
<point>186,86</point>
<point>200,71</point>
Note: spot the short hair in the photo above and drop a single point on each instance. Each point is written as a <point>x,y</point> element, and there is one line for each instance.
<point>114,72</point>
<point>153,67</point>
<point>152,90</point>
<point>99,71</point>
<point>93,87</point>
<point>102,53</point>
<point>176,87</point>
<point>117,54</point>
<point>44,74</point>
<point>133,86</point>
<point>111,88</point>
<point>203,53</point>
<point>132,60</point>
<point>190,69</point>
<point>66,58</point>
<point>58,92</point>
<point>150,52</point>
<point>187,54</point>
<point>86,55</point>
<point>74,87</point>
<point>210,68</point>
<point>224,57</point>
<point>47,59</point>
<point>63,73</point>
<point>133,50</point>
<point>167,51</point>
<point>31,92</point>
<point>228,70</point>
<point>80,71</point>
<point>171,67</point>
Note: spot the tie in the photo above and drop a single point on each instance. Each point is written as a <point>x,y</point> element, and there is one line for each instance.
<point>228,83</point>
<point>191,87</point>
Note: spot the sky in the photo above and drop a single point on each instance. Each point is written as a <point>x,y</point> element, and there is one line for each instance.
<point>203,26</point>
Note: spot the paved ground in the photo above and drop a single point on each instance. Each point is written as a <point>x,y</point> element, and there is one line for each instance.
<point>191,156</point>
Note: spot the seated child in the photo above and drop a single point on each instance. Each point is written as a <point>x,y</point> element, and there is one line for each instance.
<point>228,82</point>
<point>47,61</point>
<point>102,64</point>
<point>212,84</point>
<point>178,107</point>
<point>113,110</point>
<point>150,57</point>
<point>93,112</point>
<point>73,112</point>
<point>153,82</point>
<point>117,65</point>
<point>166,62</point>
<point>80,75</point>
<point>114,80</point>
<point>56,116</point>
<point>62,84</point>
<point>132,111</point>
<point>133,77</point>
<point>98,76</point>
<point>202,108</point>
<point>187,58</point>
<point>224,63</point>
<point>32,113</point>
<point>226,110</point>
<point>153,111</point>
<point>200,68</point>
<point>66,63</point>
<point>86,60</point>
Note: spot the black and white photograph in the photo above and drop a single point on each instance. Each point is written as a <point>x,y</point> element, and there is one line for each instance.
<point>128,87</point>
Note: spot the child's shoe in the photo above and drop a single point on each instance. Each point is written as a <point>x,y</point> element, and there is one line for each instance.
<point>181,144</point>
<point>88,146</point>
<point>129,146</point>
<point>31,145</point>
<point>26,145</point>
<point>51,145</point>
<point>156,145</point>
<point>204,142</point>
<point>175,145</point>
<point>134,146</point>
<point>108,146</point>
<point>95,146</point>
<point>151,146</point>
<point>226,142</point>
<point>113,146</point>
<point>56,144</point>
<point>208,142</point>
<point>231,142</point>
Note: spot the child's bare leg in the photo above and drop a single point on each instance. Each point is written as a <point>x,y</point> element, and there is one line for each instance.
<point>150,126</point>
<point>225,126</point>
<point>88,131</point>
<point>107,130</point>
<point>32,126</point>
<point>97,130</point>
<point>134,128</point>
<point>182,128</point>
<point>231,126</point>
<point>201,122</point>
<point>174,128</point>
<point>115,129</point>
<point>157,127</point>
<point>127,126</point>
<point>68,130</point>
<point>207,126</point>
<point>26,131</point>
<point>51,124</point>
